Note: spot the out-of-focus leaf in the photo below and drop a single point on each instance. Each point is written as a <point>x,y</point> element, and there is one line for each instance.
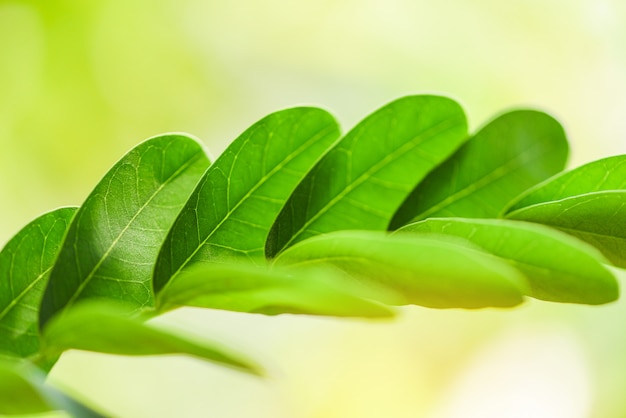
<point>23,391</point>
<point>254,288</point>
<point>113,241</point>
<point>598,176</point>
<point>18,394</point>
<point>103,328</point>
<point>438,272</point>
<point>361,182</point>
<point>231,211</point>
<point>510,154</point>
<point>598,218</point>
<point>25,264</point>
<point>558,267</point>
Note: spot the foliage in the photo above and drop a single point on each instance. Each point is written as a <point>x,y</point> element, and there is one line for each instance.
<point>295,218</point>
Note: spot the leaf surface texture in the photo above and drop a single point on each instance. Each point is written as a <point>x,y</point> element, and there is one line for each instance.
<point>361,182</point>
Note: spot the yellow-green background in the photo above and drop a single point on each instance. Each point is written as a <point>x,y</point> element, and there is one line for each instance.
<point>81,82</point>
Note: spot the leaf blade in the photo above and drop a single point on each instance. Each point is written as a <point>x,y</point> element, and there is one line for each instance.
<point>114,238</point>
<point>106,328</point>
<point>361,181</point>
<point>25,264</point>
<point>597,176</point>
<point>432,272</point>
<point>598,218</point>
<point>24,391</point>
<point>258,289</point>
<point>572,273</point>
<point>511,153</point>
<point>231,211</point>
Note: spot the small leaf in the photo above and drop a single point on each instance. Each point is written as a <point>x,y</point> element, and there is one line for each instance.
<point>598,176</point>
<point>231,211</point>
<point>25,264</point>
<point>253,288</point>
<point>18,395</point>
<point>113,240</point>
<point>598,218</point>
<point>23,391</point>
<point>437,272</point>
<point>557,266</point>
<point>510,154</point>
<point>361,182</point>
<point>106,328</point>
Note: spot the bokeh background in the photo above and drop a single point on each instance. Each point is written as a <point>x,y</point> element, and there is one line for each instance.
<point>83,82</point>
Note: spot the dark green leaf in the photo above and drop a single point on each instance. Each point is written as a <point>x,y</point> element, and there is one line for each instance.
<point>23,391</point>
<point>253,288</point>
<point>231,211</point>
<point>114,239</point>
<point>510,154</point>
<point>558,267</point>
<point>436,272</point>
<point>598,218</point>
<point>598,176</point>
<point>362,181</point>
<point>25,264</point>
<point>104,328</point>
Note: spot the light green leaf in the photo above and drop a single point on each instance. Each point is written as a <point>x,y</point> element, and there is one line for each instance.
<point>23,391</point>
<point>361,182</point>
<point>18,394</point>
<point>231,211</point>
<point>107,328</point>
<point>436,272</point>
<point>510,154</point>
<point>25,264</point>
<point>254,288</point>
<point>113,241</point>
<point>598,176</point>
<point>557,266</point>
<point>598,218</point>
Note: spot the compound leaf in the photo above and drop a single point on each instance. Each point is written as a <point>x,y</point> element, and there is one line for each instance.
<point>362,181</point>
<point>558,267</point>
<point>113,241</point>
<point>259,289</point>
<point>25,264</point>
<point>510,154</point>
<point>435,272</point>
<point>231,211</point>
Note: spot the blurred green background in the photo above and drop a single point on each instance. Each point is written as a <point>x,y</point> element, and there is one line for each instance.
<point>83,82</point>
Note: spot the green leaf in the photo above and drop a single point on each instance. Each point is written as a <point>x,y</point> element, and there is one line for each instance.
<point>361,182</point>
<point>557,266</point>
<point>18,394</point>
<point>510,154</point>
<point>598,218</point>
<point>23,391</point>
<point>598,176</point>
<point>107,328</point>
<point>114,239</point>
<point>437,272</point>
<point>25,264</point>
<point>254,288</point>
<point>231,211</point>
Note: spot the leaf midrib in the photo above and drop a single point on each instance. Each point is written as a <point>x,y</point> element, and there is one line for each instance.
<point>23,293</point>
<point>484,181</point>
<point>298,151</point>
<point>97,266</point>
<point>425,136</point>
